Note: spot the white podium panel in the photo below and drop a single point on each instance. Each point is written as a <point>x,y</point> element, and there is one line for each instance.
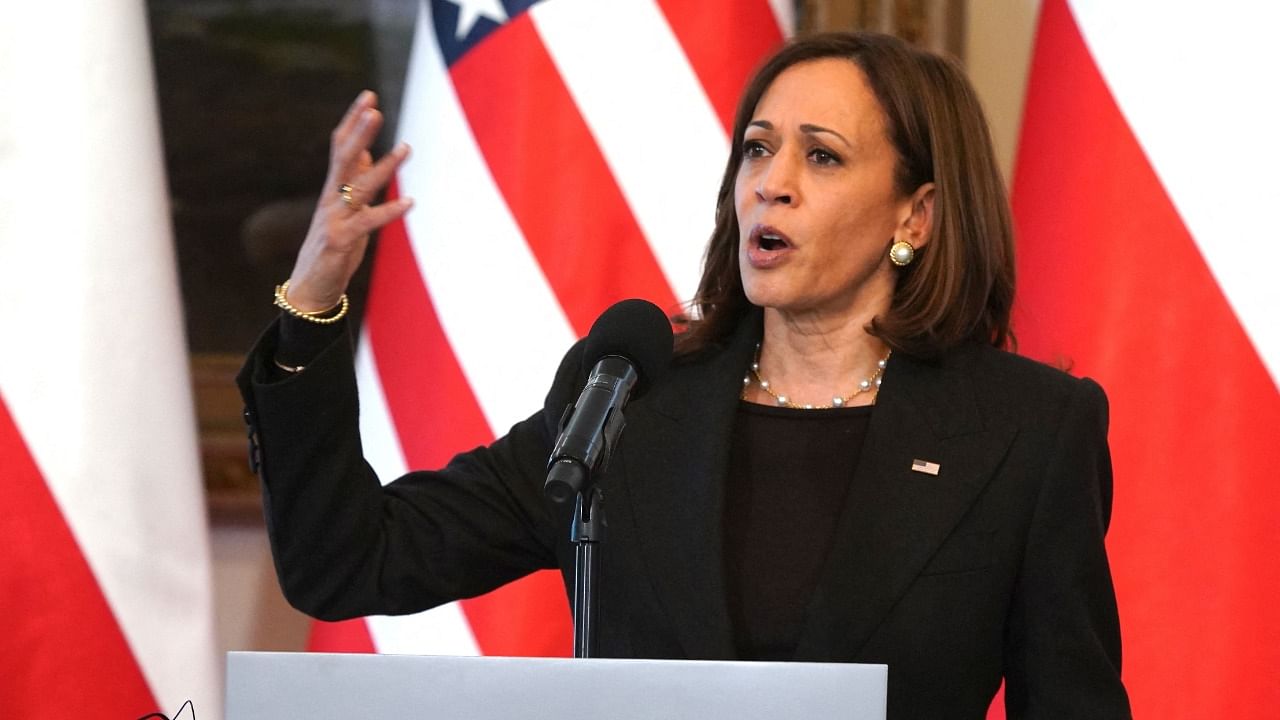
<point>319,686</point>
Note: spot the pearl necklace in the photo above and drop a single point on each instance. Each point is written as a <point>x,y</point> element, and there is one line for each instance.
<point>866,385</point>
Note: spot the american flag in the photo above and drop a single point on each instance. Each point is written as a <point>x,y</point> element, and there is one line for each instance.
<point>567,154</point>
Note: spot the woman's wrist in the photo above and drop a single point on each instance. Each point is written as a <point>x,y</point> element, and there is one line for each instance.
<point>300,341</point>
<point>323,316</point>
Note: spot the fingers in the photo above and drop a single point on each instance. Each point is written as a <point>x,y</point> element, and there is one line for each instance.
<point>364,101</point>
<point>344,140</point>
<point>360,189</point>
<point>375,216</point>
<point>352,166</point>
<point>352,147</point>
<point>375,176</point>
<point>362,218</point>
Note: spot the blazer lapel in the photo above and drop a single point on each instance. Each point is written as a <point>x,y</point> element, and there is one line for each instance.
<point>895,518</point>
<point>674,473</point>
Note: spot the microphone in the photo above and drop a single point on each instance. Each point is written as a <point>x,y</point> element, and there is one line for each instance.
<point>630,344</point>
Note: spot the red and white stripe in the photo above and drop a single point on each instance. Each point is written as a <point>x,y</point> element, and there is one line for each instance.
<point>1143,197</point>
<point>569,160</point>
<point>105,592</point>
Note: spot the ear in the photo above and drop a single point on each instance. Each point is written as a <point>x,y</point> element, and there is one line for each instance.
<point>917,226</point>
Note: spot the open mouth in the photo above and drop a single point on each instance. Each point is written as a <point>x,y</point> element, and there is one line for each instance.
<point>769,239</point>
<point>772,242</point>
<point>767,247</point>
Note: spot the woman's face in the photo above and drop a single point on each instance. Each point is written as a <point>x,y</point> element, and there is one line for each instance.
<point>815,197</point>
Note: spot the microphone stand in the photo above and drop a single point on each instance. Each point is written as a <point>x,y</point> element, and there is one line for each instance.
<point>568,478</point>
<point>587,533</point>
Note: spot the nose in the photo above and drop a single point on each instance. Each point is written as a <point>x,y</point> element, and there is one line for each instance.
<point>776,183</point>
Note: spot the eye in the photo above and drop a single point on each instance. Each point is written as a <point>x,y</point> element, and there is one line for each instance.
<point>754,149</point>
<point>822,156</point>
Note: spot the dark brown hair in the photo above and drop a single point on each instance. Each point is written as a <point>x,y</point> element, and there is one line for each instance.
<point>960,286</point>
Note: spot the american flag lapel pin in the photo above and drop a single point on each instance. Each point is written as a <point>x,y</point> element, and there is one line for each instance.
<point>926,467</point>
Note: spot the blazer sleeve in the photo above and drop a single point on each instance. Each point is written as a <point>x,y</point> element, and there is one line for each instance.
<point>1063,640</point>
<point>345,546</point>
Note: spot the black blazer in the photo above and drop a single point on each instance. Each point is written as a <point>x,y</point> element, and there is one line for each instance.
<point>993,568</point>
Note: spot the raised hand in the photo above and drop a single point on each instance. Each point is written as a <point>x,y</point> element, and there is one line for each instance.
<point>340,228</point>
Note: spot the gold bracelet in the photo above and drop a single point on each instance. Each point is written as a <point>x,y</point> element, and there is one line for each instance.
<point>316,317</point>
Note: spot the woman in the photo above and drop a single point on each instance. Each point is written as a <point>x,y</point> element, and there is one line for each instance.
<point>842,465</point>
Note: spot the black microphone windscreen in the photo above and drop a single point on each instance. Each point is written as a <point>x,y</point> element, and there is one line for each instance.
<point>636,330</point>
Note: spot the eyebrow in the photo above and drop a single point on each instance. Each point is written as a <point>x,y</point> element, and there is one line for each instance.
<point>806,128</point>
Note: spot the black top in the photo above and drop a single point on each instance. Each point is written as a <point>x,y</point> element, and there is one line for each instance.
<point>789,474</point>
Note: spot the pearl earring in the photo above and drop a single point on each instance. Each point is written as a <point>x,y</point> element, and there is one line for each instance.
<point>901,254</point>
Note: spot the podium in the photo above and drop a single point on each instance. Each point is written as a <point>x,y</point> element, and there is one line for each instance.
<point>319,686</point>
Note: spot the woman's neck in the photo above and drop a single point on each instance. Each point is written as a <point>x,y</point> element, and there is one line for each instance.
<point>812,358</point>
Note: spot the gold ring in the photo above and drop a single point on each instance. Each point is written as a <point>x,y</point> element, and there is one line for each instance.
<point>347,199</point>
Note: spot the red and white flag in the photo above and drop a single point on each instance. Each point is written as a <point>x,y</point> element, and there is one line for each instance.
<point>567,154</point>
<point>1144,195</point>
<point>105,601</point>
